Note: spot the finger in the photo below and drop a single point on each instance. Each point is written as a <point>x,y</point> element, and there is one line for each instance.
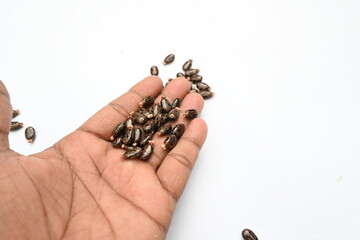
<point>5,117</point>
<point>103,122</point>
<point>175,170</point>
<point>191,101</point>
<point>177,88</point>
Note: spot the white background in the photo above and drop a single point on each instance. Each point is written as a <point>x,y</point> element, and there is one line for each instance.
<point>282,154</point>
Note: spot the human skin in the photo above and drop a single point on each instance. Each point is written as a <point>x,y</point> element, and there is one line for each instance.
<point>81,188</point>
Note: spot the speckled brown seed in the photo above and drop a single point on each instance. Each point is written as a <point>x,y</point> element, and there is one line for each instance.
<point>187,65</point>
<point>169,59</point>
<point>191,72</point>
<point>206,94</point>
<point>190,114</point>
<point>202,86</point>
<point>174,114</point>
<point>146,152</point>
<point>137,136</point>
<point>16,126</point>
<point>128,136</point>
<point>154,70</point>
<point>30,134</point>
<point>15,113</point>
<point>249,235</point>
<point>149,126</point>
<point>146,139</point>
<point>139,118</point>
<point>118,130</point>
<point>156,109</point>
<point>147,102</point>
<point>129,123</point>
<point>169,142</point>
<point>196,78</point>
<point>117,142</point>
<point>176,103</point>
<point>180,74</point>
<point>164,129</point>
<point>165,104</point>
<point>131,154</point>
<point>178,130</point>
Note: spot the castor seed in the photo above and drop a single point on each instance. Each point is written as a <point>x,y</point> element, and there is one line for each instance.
<point>206,94</point>
<point>169,59</point>
<point>128,136</point>
<point>149,126</point>
<point>147,102</point>
<point>131,154</point>
<point>187,65</point>
<point>165,129</point>
<point>178,130</point>
<point>154,70</point>
<point>129,123</point>
<point>155,109</point>
<point>139,118</point>
<point>180,74</point>
<point>174,114</point>
<point>191,72</point>
<point>196,78</point>
<point>147,138</point>
<point>169,142</point>
<point>117,142</point>
<point>16,126</point>
<point>137,135</point>
<point>30,134</point>
<point>165,104</point>
<point>249,235</point>
<point>146,151</point>
<point>190,114</point>
<point>176,103</point>
<point>203,86</point>
<point>15,113</point>
<point>118,131</point>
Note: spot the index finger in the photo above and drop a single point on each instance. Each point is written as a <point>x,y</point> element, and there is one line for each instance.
<point>103,122</point>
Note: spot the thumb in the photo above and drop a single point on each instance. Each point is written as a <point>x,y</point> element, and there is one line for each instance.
<point>5,117</point>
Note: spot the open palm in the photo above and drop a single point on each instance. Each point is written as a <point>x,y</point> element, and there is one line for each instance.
<point>81,188</point>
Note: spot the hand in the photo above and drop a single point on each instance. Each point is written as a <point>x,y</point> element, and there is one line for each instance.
<point>81,188</point>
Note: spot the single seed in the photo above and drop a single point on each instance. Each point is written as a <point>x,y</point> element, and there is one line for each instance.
<point>196,78</point>
<point>187,65</point>
<point>117,142</point>
<point>160,119</point>
<point>154,70</point>
<point>147,102</point>
<point>128,136</point>
<point>137,135</point>
<point>178,130</point>
<point>139,118</point>
<point>131,154</point>
<point>15,113</point>
<point>203,86</point>
<point>146,152</point>
<point>249,235</point>
<point>118,130</point>
<point>149,126</point>
<point>194,87</point>
<point>169,59</point>
<point>146,139</point>
<point>165,104</point>
<point>155,109</point>
<point>30,134</point>
<point>165,129</point>
<point>128,148</point>
<point>176,103</point>
<point>16,126</point>
<point>129,123</point>
<point>190,72</point>
<point>174,114</point>
<point>180,74</point>
<point>206,94</point>
<point>169,142</point>
<point>190,114</point>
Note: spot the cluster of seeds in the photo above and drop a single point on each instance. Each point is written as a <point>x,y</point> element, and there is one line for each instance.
<point>136,133</point>
<point>192,74</point>
<point>29,131</point>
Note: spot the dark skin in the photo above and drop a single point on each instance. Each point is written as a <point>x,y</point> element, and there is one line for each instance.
<point>80,188</point>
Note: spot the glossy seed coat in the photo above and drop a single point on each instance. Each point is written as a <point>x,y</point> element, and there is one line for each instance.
<point>206,94</point>
<point>190,114</point>
<point>146,139</point>
<point>180,74</point>
<point>249,235</point>
<point>174,114</point>
<point>146,152</point>
<point>169,59</point>
<point>169,142</point>
<point>149,126</point>
<point>128,136</point>
<point>165,129</point>
<point>196,78</point>
<point>30,134</point>
<point>202,86</point>
<point>16,126</point>
<point>129,123</point>
<point>187,65</point>
<point>156,109</point>
<point>176,103</point>
<point>165,104</point>
<point>117,142</point>
<point>139,118</point>
<point>118,130</point>
<point>178,130</point>
<point>154,70</point>
<point>131,154</point>
<point>191,72</point>
<point>15,113</point>
<point>147,102</point>
<point>137,135</point>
